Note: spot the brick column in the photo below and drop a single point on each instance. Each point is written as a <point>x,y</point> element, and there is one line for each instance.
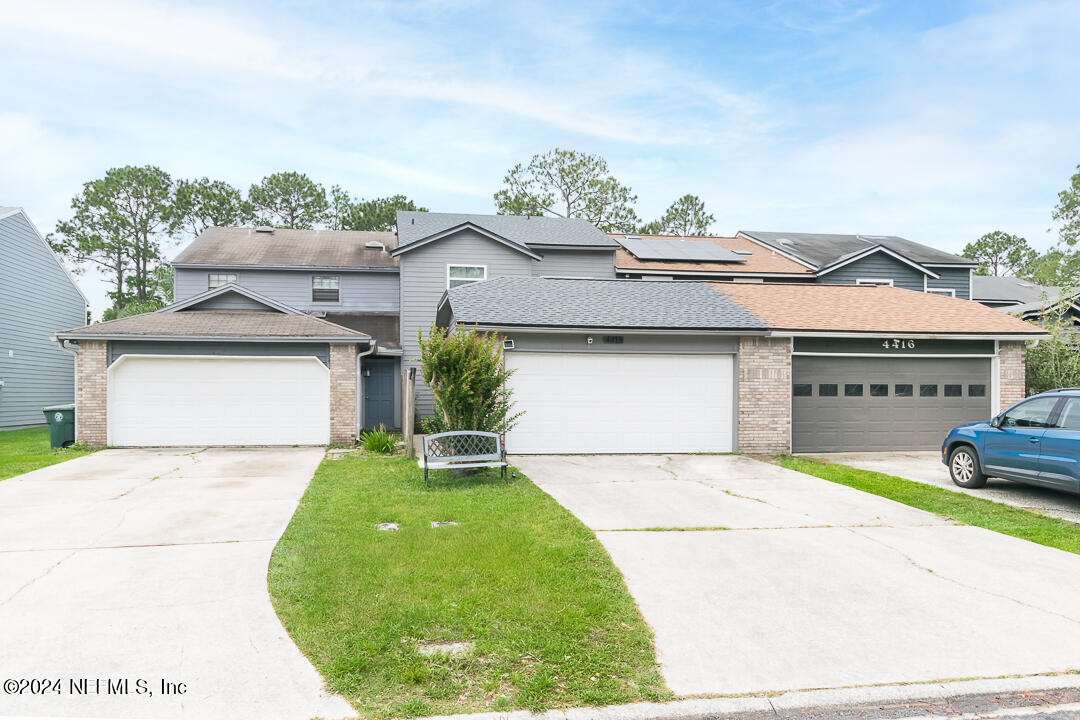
<point>764,395</point>
<point>343,394</point>
<point>1012,369</point>
<point>91,396</point>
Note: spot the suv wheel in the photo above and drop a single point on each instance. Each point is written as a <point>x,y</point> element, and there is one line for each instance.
<point>964,468</point>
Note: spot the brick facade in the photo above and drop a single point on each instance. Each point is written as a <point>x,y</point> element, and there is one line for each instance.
<point>343,394</point>
<point>1012,372</point>
<point>764,395</point>
<point>91,393</point>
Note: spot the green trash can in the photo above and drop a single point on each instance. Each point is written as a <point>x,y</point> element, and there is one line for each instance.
<point>61,420</point>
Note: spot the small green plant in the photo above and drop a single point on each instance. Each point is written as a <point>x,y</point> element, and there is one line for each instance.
<point>379,441</point>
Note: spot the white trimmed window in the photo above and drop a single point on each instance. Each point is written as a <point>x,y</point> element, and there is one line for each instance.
<point>874,281</point>
<point>948,292</point>
<point>216,280</point>
<point>326,288</point>
<point>458,275</point>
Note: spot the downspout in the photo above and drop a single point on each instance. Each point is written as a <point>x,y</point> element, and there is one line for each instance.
<point>75,383</point>
<point>359,385</point>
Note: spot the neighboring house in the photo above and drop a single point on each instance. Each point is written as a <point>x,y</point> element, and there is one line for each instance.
<point>1025,299</point>
<point>37,296</point>
<point>755,256</point>
<point>278,337</point>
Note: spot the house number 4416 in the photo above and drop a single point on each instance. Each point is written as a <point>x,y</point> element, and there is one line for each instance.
<point>897,344</point>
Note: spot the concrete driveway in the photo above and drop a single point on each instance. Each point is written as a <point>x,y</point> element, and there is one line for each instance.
<point>150,565</point>
<point>926,467</point>
<point>814,585</point>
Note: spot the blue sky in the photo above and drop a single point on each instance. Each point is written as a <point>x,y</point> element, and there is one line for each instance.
<point>935,120</point>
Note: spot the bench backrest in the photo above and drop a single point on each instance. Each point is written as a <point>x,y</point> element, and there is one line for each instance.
<point>463,445</point>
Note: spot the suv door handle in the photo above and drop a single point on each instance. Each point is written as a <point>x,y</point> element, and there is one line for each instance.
<point>1033,440</point>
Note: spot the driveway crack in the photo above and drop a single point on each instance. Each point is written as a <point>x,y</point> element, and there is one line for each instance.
<point>1001,596</point>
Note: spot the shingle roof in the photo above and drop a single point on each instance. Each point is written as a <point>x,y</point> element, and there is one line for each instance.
<point>382,326</point>
<point>585,303</point>
<point>526,231</point>
<point>868,308</point>
<point>760,260</point>
<point>215,324</point>
<point>821,249</point>
<point>231,247</point>
<point>1010,289</point>
<point>564,302</point>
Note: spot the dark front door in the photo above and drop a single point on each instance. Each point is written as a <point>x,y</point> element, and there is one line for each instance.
<point>379,377</point>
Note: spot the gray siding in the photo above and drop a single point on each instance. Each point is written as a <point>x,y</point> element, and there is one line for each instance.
<point>423,282</point>
<point>144,347</point>
<point>229,301</point>
<point>959,279</point>
<point>576,263</point>
<point>877,265</point>
<point>631,343</point>
<point>37,298</point>
<point>361,291</point>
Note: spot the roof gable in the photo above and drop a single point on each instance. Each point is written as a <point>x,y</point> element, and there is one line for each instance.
<point>266,303</point>
<point>823,249</point>
<point>463,227</point>
<point>524,230</point>
<point>9,214</point>
<point>874,250</point>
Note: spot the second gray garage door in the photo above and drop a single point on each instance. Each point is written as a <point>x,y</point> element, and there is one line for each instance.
<point>855,404</point>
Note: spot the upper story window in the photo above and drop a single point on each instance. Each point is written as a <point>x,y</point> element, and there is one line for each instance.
<point>214,280</point>
<point>326,288</point>
<point>874,281</point>
<point>458,275</point>
<point>948,292</point>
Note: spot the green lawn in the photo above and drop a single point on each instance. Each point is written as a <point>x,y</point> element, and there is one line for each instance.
<point>966,509</point>
<point>25,450</point>
<point>550,616</point>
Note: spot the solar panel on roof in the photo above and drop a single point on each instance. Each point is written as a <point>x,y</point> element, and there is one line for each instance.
<point>686,250</point>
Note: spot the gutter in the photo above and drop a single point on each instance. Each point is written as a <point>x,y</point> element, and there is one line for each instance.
<point>221,338</point>
<point>358,411</point>
<point>75,369</point>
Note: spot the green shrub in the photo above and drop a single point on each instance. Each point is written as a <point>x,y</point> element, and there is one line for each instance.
<point>465,372</point>
<point>379,441</point>
<point>1055,361</point>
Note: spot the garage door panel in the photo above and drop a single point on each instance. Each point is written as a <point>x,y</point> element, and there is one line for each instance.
<point>608,403</point>
<point>824,424</point>
<point>158,400</point>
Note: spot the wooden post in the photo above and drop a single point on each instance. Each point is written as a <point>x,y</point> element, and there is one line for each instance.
<point>408,402</point>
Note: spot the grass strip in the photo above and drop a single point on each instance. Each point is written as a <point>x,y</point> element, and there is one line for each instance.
<point>24,450</point>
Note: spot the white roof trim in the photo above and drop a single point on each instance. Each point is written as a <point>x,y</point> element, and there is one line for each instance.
<point>870,251</point>
<point>465,226</point>
<point>239,290</point>
<point>20,211</point>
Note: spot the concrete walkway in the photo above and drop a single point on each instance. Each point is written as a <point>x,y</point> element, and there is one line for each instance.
<point>926,467</point>
<point>150,565</point>
<point>815,585</point>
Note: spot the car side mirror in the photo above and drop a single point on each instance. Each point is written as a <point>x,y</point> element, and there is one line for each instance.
<point>996,422</point>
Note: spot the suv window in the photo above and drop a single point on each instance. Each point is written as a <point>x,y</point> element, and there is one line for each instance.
<point>1070,415</point>
<point>1035,413</point>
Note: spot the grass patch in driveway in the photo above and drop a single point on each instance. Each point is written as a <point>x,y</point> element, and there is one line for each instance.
<point>24,450</point>
<point>519,576</point>
<point>1005,519</point>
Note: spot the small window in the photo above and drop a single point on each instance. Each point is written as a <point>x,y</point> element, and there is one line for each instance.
<point>1070,415</point>
<point>1034,413</point>
<point>928,391</point>
<point>458,275</point>
<point>875,281</point>
<point>976,391</point>
<point>879,390</point>
<point>853,390</point>
<point>827,390</point>
<point>216,280</point>
<point>954,391</point>
<point>325,288</point>
<point>904,390</point>
<point>802,390</point>
<point>613,339</point>
<point>948,292</point>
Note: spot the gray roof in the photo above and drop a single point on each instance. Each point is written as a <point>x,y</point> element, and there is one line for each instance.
<point>382,326</point>
<point>233,247</point>
<point>1010,289</point>
<point>522,230</point>
<point>822,249</point>
<point>216,324</point>
<point>566,302</point>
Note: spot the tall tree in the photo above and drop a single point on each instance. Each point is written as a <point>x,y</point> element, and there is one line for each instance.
<point>685,216</point>
<point>203,203</point>
<point>374,214</point>
<point>1056,267</point>
<point>1067,211</point>
<point>117,225</point>
<point>566,183</point>
<point>1000,253</point>
<point>289,200</point>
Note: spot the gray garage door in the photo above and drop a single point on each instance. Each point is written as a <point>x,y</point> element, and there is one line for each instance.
<point>852,404</point>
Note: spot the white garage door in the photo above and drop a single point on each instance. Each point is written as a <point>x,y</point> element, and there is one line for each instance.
<point>594,403</point>
<point>218,401</point>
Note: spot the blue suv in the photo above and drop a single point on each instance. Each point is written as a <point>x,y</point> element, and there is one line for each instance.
<point>1036,441</point>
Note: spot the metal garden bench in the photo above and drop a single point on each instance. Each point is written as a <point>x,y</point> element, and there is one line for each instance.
<point>463,449</point>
